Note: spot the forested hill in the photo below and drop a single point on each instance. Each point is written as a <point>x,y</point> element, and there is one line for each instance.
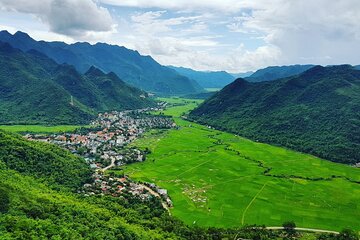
<point>277,72</point>
<point>206,79</point>
<point>43,161</point>
<point>317,112</point>
<point>140,71</point>
<point>34,89</point>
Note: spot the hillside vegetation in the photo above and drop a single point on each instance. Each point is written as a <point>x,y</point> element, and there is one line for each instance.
<point>317,112</point>
<point>42,160</point>
<point>140,71</point>
<point>34,90</point>
<point>206,79</point>
<point>277,72</point>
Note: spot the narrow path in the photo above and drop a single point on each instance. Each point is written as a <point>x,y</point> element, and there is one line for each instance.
<point>152,192</point>
<point>193,168</point>
<point>251,202</point>
<point>112,164</point>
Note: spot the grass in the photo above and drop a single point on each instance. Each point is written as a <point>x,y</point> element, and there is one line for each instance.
<point>39,128</point>
<point>219,179</point>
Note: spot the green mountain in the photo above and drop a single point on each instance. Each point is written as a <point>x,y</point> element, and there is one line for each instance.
<point>43,161</point>
<point>140,71</point>
<point>34,89</point>
<point>206,79</point>
<point>317,112</point>
<point>277,72</point>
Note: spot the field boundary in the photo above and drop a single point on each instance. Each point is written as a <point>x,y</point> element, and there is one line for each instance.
<point>251,202</point>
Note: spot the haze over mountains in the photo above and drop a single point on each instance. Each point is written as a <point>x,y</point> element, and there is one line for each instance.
<point>276,72</point>
<point>208,79</point>
<point>317,111</point>
<point>35,89</point>
<point>140,71</point>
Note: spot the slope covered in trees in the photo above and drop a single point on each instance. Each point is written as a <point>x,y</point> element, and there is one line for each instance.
<point>277,72</point>
<point>207,79</point>
<point>317,112</point>
<point>140,71</point>
<point>42,160</point>
<point>34,89</point>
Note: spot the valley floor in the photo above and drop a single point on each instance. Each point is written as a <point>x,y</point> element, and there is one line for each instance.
<point>220,179</point>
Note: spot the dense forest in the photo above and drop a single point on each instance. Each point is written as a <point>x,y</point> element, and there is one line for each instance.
<point>277,72</point>
<point>317,112</point>
<point>36,90</point>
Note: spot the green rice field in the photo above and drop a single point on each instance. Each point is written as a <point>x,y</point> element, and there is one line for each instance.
<point>223,180</point>
<point>39,128</point>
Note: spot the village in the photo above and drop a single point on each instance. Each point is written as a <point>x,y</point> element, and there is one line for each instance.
<point>104,146</point>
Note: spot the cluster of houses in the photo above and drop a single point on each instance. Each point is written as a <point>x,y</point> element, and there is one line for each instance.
<point>103,146</point>
<point>120,186</point>
<point>103,143</point>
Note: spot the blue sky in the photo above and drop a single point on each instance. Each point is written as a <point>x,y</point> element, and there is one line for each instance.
<point>231,35</point>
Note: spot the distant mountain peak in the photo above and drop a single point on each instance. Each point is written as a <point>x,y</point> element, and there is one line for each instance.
<point>94,71</point>
<point>140,71</point>
<point>22,34</point>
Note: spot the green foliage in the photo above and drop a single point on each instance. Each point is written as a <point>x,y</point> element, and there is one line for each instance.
<point>348,234</point>
<point>277,72</point>
<point>36,90</point>
<point>345,234</point>
<point>317,112</point>
<point>289,228</point>
<point>4,200</point>
<point>43,160</point>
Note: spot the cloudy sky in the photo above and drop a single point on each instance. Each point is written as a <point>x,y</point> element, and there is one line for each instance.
<point>231,35</point>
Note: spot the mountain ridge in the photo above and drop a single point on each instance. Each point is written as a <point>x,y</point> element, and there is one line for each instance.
<point>277,72</point>
<point>36,90</point>
<point>140,71</point>
<point>206,79</point>
<point>317,112</point>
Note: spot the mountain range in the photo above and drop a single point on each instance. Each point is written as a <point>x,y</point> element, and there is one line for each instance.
<point>34,89</point>
<point>207,79</point>
<point>317,112</point>
<point>140,71</point>
<point>276,72</point>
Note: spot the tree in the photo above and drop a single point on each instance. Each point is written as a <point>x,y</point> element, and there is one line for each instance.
<point>4,201</point>
<point>289,228</point>
<point>348,234</point>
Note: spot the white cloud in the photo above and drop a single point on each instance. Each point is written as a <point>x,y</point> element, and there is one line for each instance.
<point>310,31</point>
<point>218,5</point>
<point>68,17</point>
<point>234,35</point>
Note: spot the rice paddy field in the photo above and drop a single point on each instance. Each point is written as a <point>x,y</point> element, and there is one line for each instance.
<point>39,128</point>
<point>223,180</point>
